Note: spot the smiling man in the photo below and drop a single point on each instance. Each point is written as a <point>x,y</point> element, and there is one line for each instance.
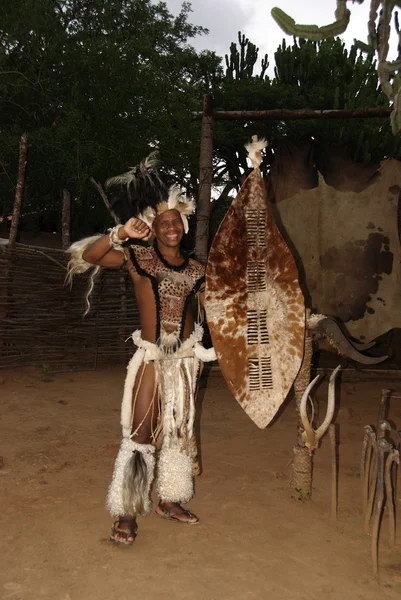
<point>159,392</point>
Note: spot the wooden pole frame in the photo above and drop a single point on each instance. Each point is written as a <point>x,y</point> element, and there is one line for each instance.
<point>302,468</point>
<point>205,181</point>
<point>208,116</point>
<point>285,114</point>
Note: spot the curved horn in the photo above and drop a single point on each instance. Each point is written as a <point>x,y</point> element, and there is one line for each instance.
<point>330,329</point>
<point>361,347</point>
<point>331,404</point>
<point>309,435</point>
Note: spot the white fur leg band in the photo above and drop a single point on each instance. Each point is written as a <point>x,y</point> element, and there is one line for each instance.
<point>174,475</point>
<point>126,406</point>
<point>129,491</point>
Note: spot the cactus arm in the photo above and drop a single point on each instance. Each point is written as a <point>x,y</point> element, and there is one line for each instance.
<point>313,32</point>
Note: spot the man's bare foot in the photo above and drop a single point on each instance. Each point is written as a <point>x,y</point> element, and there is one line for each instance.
<point>175,512</point>
<point>124,531</point>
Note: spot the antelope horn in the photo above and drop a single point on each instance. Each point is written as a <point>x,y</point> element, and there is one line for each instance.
<point>331,403</point>
<point>330,329</point>
<point>308,436</point>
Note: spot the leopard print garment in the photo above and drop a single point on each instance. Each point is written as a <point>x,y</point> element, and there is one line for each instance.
<point>172,286</point>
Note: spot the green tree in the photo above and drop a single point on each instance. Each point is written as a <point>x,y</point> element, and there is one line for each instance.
<point>96,85</point>
<point>313,75</point>
<point>307,74</point>
<point>325,75</point>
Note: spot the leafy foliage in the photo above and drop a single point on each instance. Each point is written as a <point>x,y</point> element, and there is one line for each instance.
<point>307,75</point>
<point>96,85</point>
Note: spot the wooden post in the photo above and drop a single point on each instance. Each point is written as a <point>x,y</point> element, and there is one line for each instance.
<point>302,464</point>
<point>205,182</point>
<point>19,191</point>
<point>66,221</point>
<point>334,470</point>
<point>5,290</point>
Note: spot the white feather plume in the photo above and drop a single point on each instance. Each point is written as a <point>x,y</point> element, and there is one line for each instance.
<point>148,164</point>
<point>177,200</point>
<point>254,150</point>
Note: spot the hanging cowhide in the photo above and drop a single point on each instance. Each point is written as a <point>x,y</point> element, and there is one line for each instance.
<point>254,305</point>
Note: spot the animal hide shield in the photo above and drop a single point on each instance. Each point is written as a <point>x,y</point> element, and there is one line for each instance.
<point>254,305</point>
<point>342,219</point>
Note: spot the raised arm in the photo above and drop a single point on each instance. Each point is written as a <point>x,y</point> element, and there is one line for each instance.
<point>103,251</point>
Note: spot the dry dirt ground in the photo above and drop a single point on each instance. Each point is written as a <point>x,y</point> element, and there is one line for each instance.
<point>257,538</point>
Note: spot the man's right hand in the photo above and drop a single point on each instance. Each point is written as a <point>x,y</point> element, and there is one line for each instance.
<point>134,229</point>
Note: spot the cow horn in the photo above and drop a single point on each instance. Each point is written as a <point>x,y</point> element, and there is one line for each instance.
<point>361,347</point>
<point>330,329</point>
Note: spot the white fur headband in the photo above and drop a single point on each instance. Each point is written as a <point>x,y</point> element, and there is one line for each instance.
<point>176,201</point>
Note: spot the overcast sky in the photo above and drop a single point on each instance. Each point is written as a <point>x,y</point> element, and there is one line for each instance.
<point>224,18</point>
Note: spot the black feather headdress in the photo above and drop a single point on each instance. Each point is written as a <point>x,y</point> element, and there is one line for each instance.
<point>138,189</point>
<point>145,193</point>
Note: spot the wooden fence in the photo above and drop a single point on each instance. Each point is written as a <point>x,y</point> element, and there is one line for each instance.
<point>41,320</point>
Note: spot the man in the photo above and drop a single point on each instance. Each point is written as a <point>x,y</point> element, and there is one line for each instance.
<point>159,392</point>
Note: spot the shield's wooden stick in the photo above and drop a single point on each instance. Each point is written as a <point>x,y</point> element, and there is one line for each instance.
<point>334,479</point>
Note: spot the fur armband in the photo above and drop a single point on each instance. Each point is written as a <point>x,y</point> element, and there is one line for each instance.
<point>115,240</point>
<point>204,354</point>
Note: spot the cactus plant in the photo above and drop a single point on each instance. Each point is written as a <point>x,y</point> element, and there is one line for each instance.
<point>377,43</point>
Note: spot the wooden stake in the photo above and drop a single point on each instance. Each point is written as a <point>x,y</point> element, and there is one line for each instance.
<point>334,478</point>
<point>66,221</point>
<point>302,463</point>
<point>383,408</point>
<point>205,182</point>
<point>19,190</point>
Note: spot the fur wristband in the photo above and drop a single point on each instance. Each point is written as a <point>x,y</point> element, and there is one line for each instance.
<point>115,240</point>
